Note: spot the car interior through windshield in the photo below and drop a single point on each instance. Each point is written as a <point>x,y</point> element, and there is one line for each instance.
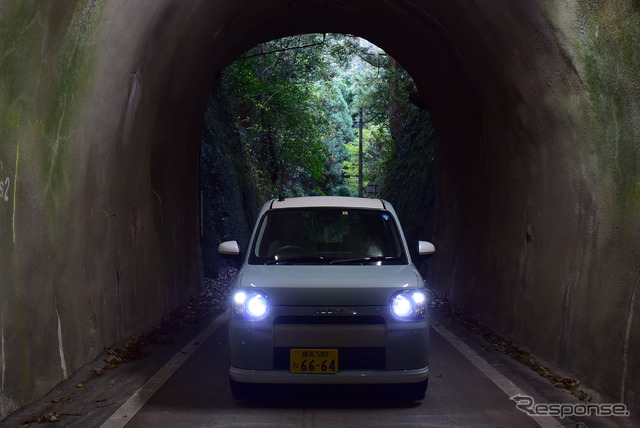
<point>327,235</point>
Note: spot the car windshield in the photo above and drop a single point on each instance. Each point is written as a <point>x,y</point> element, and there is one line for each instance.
<point>327,236</point>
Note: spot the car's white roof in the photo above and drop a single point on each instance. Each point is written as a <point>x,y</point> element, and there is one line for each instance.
<point>328,201</point>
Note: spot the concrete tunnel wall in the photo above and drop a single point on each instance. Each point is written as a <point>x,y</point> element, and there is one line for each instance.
<point>536,114</point>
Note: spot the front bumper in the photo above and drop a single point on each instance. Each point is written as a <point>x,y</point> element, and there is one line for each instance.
<point>373,347</point>
<point>343,377</point>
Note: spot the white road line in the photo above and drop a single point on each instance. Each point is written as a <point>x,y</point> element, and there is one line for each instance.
<point>128,410</point>
<point>494,375</point>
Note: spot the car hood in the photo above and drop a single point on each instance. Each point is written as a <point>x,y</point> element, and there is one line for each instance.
<point>329,285</point>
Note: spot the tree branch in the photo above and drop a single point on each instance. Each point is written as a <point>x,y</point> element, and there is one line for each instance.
<point>324,37</point>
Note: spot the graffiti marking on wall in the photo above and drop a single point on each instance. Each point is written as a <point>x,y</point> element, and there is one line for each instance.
<point>4,189</point>
<point>15,187</point>
<point>37,127</point>
<point>12,118</point>
<point>2,357</point>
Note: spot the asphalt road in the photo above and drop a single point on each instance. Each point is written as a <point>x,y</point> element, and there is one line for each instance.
<point>470,386</point>
<point>184,383</point>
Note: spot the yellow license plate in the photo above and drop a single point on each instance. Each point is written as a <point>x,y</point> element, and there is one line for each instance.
<point>319,361</point>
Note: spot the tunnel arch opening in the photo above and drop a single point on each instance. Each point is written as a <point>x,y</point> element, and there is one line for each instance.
<point>287,108</point>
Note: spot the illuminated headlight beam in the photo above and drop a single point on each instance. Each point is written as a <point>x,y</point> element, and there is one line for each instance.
<point>252,304</point>
<point>409,305</point>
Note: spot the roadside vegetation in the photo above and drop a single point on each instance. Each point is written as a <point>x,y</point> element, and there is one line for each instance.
<point>295,106</point>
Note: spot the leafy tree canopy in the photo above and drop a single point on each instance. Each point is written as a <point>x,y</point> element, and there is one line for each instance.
<point>295,102</point>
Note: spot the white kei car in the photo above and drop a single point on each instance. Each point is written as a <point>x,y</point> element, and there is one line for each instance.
<point>328,294</point>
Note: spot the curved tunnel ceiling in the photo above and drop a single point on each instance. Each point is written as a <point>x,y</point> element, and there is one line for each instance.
<point>474,67</point>
<point>412,35</point>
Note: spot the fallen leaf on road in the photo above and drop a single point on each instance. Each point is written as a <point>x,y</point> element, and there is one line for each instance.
<point>500,344</point>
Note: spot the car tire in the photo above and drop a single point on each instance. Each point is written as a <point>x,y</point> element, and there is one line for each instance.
<point>415,391</point>
<point>245,391</point>
<point>239,390</point>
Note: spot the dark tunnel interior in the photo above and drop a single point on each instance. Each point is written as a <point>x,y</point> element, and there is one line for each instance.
<point>107,198</point>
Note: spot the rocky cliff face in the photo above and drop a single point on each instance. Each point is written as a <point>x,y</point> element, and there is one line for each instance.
<point>230,200</point>
<point>535,109</point>
<point>410,181</point>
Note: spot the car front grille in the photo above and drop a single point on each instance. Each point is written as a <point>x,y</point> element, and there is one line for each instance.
<point>329,319</point>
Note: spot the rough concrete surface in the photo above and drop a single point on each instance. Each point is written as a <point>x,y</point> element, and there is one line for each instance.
<point>535,106</point>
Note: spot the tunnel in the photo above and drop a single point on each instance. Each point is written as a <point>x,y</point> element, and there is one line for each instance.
<point>536,111</point>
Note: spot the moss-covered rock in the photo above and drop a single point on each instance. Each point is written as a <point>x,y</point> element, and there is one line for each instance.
<point>230,199</point>
<point>410,180</point>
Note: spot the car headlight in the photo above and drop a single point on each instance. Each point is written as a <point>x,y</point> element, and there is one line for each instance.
<point>409,305</point>
<point>250,304</point>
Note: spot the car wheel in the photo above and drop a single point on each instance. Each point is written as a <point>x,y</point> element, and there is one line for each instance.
<point>240,390</point>
<point>417,391</point>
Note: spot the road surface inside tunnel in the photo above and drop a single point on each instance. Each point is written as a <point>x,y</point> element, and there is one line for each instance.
<point>470,385</point>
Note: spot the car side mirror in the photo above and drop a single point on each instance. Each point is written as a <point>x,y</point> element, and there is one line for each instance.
<point>426,248</point>
<point>229,248</point>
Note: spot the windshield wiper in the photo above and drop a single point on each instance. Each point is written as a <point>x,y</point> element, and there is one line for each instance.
<point>299,260</point>
<point>363,260</point>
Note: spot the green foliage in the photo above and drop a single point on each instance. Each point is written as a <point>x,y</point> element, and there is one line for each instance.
<point>295,102</point>
<point>381,88</point>
<point>377,150</point>
<point>340,133</point>
<point>279,115</point>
